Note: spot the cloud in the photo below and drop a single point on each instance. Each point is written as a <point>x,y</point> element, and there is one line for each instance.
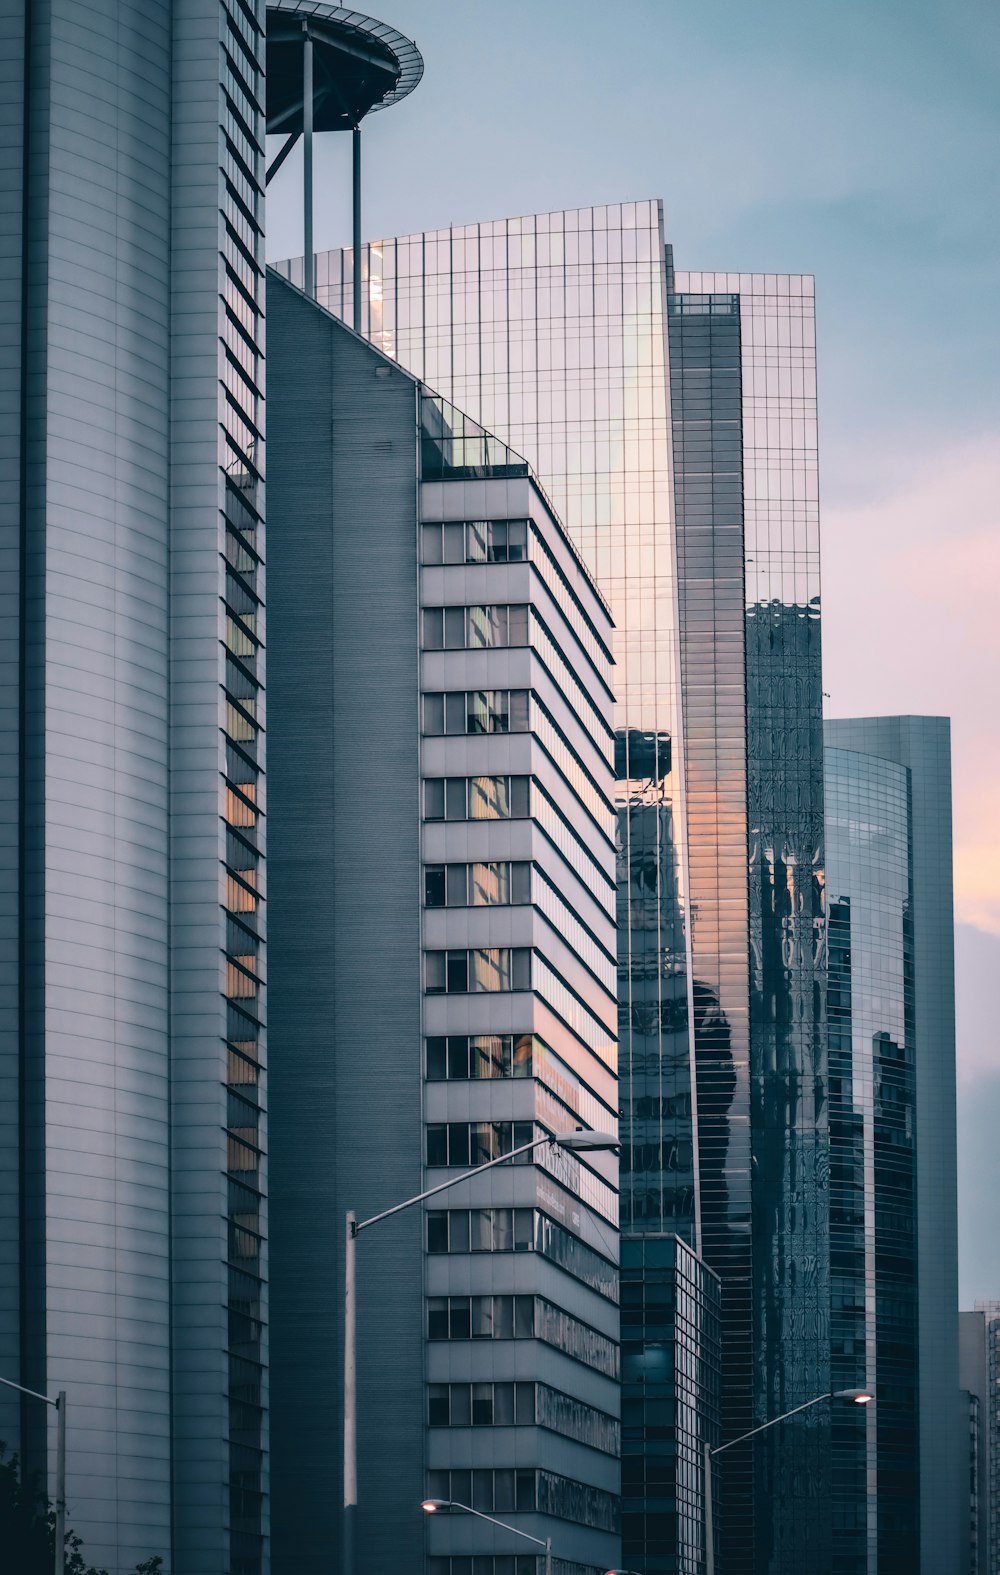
<point>910,624</point>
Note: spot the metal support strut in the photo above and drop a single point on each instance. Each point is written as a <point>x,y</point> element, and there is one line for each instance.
<point>309,263</point>
<point>356,141</point>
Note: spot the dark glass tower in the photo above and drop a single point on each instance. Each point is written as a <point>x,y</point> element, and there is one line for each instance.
<point>873,1204</point>
<point>892,1112</point>
<point>743,410</point>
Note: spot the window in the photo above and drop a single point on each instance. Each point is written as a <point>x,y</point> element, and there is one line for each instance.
<point>476,798</point>
<point>444,628</point>
<point>481,1404</point>
<point>498,798</point>
<point>484,969</point>
<point>476,711</point>
<point>476,1142</point>
<point>476,885</point>
<point>480,1317</point>
<point>489,1490</point>
<point>521,1230</point>
<point>476,541</point>
<point>479,1056</point>
<point>474,628</point>
<point>480,1230</point>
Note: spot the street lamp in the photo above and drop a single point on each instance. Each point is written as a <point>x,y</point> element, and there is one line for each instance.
<point>430,1506</point>
<point>60,1407</point>
<point>578,1142</point>
<point>859,1397</point>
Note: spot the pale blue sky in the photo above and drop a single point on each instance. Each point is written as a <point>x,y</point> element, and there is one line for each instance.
<point>857,140</point>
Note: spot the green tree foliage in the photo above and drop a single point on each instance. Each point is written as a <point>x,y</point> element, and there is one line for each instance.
<point>28,1528</point>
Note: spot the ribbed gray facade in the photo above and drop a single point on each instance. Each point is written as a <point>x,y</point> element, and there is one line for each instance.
<point>921,745</point>
<point>442,977</point>
<point>131,375</point>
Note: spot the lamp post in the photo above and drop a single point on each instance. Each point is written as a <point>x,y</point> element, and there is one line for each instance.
<point>859,1396</point>
<point>581,1141</point>
<point>60,1408</point>
<point>430,1506</point>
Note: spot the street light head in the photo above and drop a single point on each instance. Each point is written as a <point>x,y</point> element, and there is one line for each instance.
<point>583,1141</point>
<point>859,1396</point>
<point>431,1505</point>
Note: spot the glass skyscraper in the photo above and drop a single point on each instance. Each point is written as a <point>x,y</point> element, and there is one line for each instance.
<point>743,405</point>
<point>874,1283</point>
<point>553,330</point>
<point>130,833</point>
<point>550,330</point>
<point>892,1112</point>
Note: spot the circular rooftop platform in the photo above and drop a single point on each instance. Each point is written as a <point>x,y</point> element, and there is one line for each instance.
<point>359,65</point>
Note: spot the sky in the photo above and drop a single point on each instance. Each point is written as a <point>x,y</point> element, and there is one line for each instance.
<point>856,140</point>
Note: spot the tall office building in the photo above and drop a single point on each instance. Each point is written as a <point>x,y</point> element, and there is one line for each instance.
<point>131,1005</point>
<point>442,985</point>
<point>898,1493</point>
<point>553,330</point>
<point>979,1450</point>
<point>743,406</point>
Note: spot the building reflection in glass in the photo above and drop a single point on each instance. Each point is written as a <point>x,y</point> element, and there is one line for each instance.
<point>550,330</point>
<point>873,1161</point>
<point>743,404</point>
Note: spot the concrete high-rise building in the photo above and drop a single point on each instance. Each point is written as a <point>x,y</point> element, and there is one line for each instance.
<point>442,983</point>
<point>131,1256</point>
<point>899,1501</point>
<point>553,330</point>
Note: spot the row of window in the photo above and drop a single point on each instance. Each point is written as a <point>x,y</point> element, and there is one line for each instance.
<point>480,1317</point>
<point>481,1057</point>
<point>475,970</point>
<point>491,1404</point>
<point>508,1317</point>
<point>240,183</point>
<point>484,627</point>
<point>476,798</point>
<point>506,541</point>
<point>476,628</point>
<point>521,1230</point>
<point>477,1056</point>
<point>498,1491</point>
<point>480,1230</point>
<point>503,883</point>
<point>476,711</point>
<point>469,1143</point>
<point>475,541</point>
<point>481,1405</point>
<point>484,1564</point>
<point>512,798</point>
<point>476,885</point>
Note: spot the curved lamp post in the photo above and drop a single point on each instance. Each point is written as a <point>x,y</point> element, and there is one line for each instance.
<point>579,1142</point>
<point>859,1396</point>
<point>430,1506</point>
